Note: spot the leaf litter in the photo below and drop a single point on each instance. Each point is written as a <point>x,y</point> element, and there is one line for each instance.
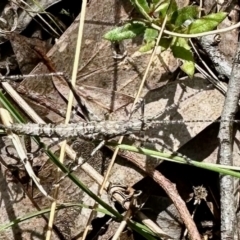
<point>118,81</point>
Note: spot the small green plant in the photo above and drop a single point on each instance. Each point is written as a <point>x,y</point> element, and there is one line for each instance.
<point>183,21</point>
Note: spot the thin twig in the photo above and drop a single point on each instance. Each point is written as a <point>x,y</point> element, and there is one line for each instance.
<point>222,87</point>
<point>172,192</point>
<point>203,62</point>
<point>122,225</point>
<point>228,214</point>
<point>40,16</point>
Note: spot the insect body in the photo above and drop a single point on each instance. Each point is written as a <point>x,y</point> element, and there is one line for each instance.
<point>89,130</point>
<point>94,129</point>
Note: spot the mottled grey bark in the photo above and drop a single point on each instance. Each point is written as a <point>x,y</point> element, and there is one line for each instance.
<point>228,211</point>
<point>221,64</point>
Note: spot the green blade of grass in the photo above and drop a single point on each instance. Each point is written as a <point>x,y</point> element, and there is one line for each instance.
<point>166,156</point>
<point>47,210</point>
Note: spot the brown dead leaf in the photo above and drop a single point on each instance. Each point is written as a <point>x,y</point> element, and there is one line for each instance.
<point>45,105</point>
<point>229,40</point>
<point>103,97</point>
<point>23,48</point>
<point>98,68</point>
<point>166,215</point>
<point>72,221</point>
<point>101,102</point>
<point>205,104</point>
<point>63,51</point>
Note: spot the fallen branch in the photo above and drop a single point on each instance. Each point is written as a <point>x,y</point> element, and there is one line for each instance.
<point>228,212</point>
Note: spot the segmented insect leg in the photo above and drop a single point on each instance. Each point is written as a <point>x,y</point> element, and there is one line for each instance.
<point>139,104</point>
<point>80,161</point>
<point>99,146</point>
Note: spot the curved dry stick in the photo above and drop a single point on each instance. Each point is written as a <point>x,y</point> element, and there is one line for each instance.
<point>172,192</point>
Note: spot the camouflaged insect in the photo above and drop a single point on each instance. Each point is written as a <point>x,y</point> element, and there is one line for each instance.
<point>95,130</point>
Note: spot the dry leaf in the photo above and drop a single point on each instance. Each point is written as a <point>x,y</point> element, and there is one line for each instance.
<point>23,48</point>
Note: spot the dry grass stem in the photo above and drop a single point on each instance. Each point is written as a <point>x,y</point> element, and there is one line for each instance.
<point>69,110</point>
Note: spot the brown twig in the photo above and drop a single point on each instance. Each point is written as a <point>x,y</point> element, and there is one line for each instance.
<point>172,192</point>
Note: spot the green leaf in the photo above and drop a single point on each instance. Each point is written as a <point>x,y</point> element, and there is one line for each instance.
<point>150,34</point>
<point>128,31</point>
<point>173,7</point>
<point>166,8</point>
<point>183,14</point>
<point>182,50</point>
<point>188,67</point>
<point>143,8</point>
<point>155,2</point>
<point>147,47</point>
<point>206,23</point>
<point>143,4</point>
<point>165,43</point>
<point>161,9</point>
